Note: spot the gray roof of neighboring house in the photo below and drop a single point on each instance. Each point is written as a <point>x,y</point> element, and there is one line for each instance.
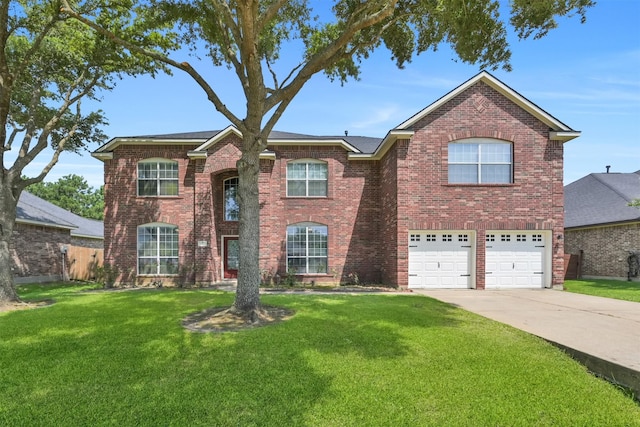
<point>363,143</point>
<point>34,210</point>
<point>601,198</point>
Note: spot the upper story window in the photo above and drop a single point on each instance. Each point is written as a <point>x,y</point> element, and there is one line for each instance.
<point>307,178</point>
<point>157,249</point>
<point>157,177</point>
<point>231,207</point>
<point>480,161</point>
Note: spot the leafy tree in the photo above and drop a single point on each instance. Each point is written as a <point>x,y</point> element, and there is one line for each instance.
<point>73,193</point>
<point>49,64</point>
<point>635,203</point>
<point>248,36</point>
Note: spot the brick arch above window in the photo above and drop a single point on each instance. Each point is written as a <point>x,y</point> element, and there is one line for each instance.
<point>490,133</point>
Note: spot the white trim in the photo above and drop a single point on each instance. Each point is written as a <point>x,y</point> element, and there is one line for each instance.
<point>315,142</point>
<point>387,142</point>
<point>45,224</point>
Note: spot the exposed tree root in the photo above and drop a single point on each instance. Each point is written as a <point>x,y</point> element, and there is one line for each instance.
<point>23,305</point>
<point>230,319</point>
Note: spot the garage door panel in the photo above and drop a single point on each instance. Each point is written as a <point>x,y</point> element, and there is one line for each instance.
<point>515,259</point>
<point>439,260</point>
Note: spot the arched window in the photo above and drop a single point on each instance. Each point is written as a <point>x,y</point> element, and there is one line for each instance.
<point>157,249</point>
<point>307,248</point>
<point>157,177</point>
<point>307,178</point>
<point>231,207</point>
<point>480,161</point>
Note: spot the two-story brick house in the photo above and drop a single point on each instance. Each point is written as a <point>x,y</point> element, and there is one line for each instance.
<point>467,193</point>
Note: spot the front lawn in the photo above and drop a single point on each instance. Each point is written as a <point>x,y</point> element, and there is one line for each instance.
<point>618,289</point>
<point>123,358</point>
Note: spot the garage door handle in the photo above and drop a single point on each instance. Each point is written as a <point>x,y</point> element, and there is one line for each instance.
<point>538,272</point>
<point>412,275</point>
<point>541,246</point>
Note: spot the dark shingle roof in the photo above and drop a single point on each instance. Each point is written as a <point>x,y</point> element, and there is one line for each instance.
<point>601,198</point>
<point>33,209</point>
<point>363,143</point>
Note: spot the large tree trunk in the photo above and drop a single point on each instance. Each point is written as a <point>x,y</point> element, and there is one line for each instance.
<point>248,289</point>
<point>8,207</point>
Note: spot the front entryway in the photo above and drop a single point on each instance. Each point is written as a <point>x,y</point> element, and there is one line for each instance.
<point>440,259</point>
<point>230,254</point>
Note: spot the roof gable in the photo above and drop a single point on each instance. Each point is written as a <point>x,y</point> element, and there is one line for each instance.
<point>559,130</point>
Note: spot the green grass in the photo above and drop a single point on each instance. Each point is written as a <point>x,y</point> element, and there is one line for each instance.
<point>123,359</point>
<point>618,289</point>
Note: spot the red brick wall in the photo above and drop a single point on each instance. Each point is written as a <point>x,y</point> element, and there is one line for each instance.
<point>533,202</point>
<point>35,252</point>
<point>370,207</point>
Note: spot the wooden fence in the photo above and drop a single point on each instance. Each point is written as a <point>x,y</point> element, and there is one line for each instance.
<point>83,262</point>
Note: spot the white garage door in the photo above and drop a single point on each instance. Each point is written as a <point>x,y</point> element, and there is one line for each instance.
<point>515,259</point>
<point>439,259</point>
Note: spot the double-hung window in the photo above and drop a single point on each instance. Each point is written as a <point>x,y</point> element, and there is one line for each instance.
<point>231,206</point>
<point>157,177</point>
<point>307,178</point>
<point>157,249</point>
<point>307,248</point>
<point>480,161</point>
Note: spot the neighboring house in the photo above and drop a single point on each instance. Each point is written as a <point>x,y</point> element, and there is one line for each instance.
<point>51,243</point>
<point>467,193</point>
<point>599,223</point>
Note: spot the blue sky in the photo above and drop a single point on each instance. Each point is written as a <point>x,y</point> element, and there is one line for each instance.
<point>585,75</point>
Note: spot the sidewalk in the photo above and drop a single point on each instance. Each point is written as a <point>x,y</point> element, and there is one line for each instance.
<point>602,333</point>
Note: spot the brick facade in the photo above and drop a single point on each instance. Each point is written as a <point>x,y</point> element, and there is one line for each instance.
<point>372,202</point>
<point>605,249</point>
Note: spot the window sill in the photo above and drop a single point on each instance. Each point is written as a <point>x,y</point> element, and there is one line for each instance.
<point>481,185</point>
<point>160,197</point>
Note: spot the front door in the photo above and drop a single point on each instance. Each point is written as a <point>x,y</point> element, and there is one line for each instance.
<point>231,251</point>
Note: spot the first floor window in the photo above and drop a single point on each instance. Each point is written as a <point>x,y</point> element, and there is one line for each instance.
<point>157,249</point>
<point>307,248</point>
<point>158,177</point>
<point>480,161</point>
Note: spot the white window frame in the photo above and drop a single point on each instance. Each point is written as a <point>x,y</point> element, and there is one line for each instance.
<point>158,178</point>
<point>224,197</point>
<point>479,163</point>
<point>161,229</point>
<point>307,162</point>
<point>306,256</point>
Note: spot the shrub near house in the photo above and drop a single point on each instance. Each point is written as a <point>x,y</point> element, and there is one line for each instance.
<point>467,193</point>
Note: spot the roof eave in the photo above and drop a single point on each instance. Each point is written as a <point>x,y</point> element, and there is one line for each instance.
<point>388,141</point>
<point>563,136</point>
<point>497,85</point>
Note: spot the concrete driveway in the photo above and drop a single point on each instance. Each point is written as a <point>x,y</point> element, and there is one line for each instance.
<point>605,330</point>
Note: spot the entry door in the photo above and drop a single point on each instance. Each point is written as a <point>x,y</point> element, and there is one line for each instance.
<point>231,251</point>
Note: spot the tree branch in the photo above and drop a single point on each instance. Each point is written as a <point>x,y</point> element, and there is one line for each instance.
<point>184,66</point>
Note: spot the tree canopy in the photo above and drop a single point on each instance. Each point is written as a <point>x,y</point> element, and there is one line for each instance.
<point>249,36</point>
<point>49,64</point>
<point>73,193</point>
